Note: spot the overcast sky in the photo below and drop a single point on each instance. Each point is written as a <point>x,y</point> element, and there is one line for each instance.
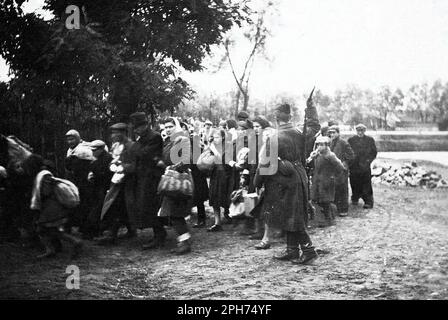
<point>331,44</point>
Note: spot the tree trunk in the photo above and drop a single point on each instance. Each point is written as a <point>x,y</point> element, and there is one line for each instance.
<point>246,100</point>
<point>237,102</point>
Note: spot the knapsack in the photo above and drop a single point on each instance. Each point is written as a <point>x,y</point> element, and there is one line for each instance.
<point>66,193</point>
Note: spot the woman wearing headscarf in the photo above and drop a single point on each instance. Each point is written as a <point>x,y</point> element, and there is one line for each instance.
<point>263,130</point>
<point>221,178</point>
<point>177,209</point>
<point>201,191</point>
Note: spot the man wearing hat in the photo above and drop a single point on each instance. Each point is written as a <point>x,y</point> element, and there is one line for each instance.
<point>244,116</point>
<point>118,204</point>
<point>77,161</point>
<point>345,153</point>
<point>99,178</point>
<point>360,173</point>
<point>292,218</point>
<point>147,167</point>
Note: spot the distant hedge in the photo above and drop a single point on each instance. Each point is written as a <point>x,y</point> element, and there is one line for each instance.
<point>408,142</point>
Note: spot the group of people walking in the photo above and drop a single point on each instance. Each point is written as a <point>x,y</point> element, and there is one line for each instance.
<point>119,186</point>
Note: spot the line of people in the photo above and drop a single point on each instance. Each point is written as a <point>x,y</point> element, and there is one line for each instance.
<point>119,187</point>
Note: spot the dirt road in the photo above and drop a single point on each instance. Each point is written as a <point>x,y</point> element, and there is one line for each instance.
<point>398,250</point>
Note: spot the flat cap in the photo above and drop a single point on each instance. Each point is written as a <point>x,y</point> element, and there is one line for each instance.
<point>361,127</point>
<point>323,139</point>
<point>334,128</point>
<point>242,115</point>
<point>73,133</point>
<point>97,144</point>
<point>138,119</point>
<point>119,126</point>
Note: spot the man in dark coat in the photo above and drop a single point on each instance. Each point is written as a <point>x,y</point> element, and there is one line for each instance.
<point>344,152</point>
<point>147,166</point>
<point>360,173</point>
<point>99,177</point>
<point>293,216</point>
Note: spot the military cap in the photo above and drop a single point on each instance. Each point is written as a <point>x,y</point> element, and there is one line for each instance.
<point>361,127</point>
<point>119,126</point>
<point>284,108</point>
<point>209,122</point>
<point>138,119</point>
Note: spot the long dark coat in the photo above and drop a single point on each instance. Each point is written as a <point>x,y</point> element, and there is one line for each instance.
<point>100,184</point>
<point>290,214</point>
<point>280,200</point>
<point>326,169</point>
<point>172,207</point>
<point>144,155</point>
<point>344,152</point>
<point>365,152</point>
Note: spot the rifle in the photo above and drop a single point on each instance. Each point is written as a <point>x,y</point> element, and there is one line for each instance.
<point>311,210</point>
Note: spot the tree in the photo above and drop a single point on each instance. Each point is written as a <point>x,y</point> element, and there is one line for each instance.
<point>388,103</point>
<point>417,101</point>
<point>439,100</point>
<point>256,35</point>
<point>126,56</point>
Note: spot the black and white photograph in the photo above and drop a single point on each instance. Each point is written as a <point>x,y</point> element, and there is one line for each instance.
<point>242,151</point>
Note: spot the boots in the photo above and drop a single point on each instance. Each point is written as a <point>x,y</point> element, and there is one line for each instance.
<point>183,244</point>
<point>292,248</point>
<point>288,254</point>
<point>159,239</point>
<point>309,254</point>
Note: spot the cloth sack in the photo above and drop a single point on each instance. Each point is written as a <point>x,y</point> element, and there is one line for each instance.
<point>66,193</point>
